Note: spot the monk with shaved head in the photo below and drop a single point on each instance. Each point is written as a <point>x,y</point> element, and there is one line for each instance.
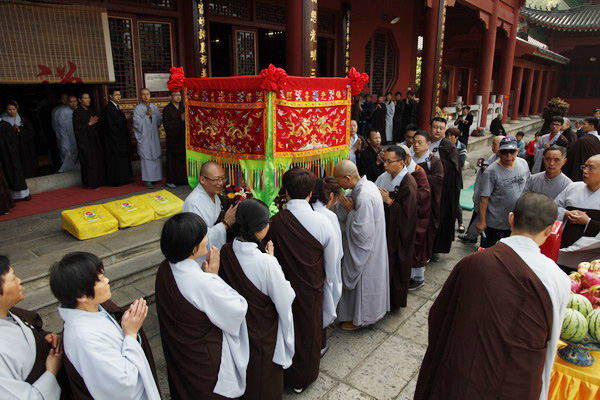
<point>365,270</point>
<point>579,205</point>
<point>205,202</point>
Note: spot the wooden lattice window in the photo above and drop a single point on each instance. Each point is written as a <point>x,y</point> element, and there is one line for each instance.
<point>381,62</point>
<point>230,8</point>
<point>269,12</point>
<point>157,3</point>
<point>155,49</point>
<point>245,52</point>
<point>121,41</point>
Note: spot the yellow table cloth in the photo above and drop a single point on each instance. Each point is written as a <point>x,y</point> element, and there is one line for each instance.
<point>130,211</point>
<point>571,382</point>
<point>163,202</point>
<point>89,222</point>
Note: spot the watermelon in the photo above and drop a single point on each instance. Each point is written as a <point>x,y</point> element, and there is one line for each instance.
<point>594,324</point>
<point>575,326</point>
<point>580,303</point>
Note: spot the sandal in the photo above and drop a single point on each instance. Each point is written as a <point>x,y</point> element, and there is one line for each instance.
<point>461,229</point>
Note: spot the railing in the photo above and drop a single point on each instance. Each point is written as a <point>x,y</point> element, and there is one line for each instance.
<point>495,107</point>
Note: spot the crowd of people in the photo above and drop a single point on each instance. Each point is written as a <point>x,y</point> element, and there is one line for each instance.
<point>98,145</point>
<point>243,298</point>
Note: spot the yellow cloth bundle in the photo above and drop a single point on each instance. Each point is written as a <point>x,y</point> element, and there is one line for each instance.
<point>130,211</point>
<point>163,202</point>
<point>89,222</point>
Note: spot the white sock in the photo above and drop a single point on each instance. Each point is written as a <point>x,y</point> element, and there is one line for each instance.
<point>419,273</point>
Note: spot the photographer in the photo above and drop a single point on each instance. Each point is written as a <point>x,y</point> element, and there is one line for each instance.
<point>463,123</point>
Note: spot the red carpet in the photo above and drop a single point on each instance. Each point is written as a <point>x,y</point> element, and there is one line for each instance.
<point>69,197</point>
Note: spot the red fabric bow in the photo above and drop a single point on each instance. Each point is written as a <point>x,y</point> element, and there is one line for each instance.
<point>273,78</point>
<point>176,80</point>
<point>358,80</point>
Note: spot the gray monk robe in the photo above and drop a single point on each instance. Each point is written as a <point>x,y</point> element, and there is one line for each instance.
<point>365,269</point>
<point>148,141</point>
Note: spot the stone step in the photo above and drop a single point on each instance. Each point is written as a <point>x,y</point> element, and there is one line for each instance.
<point>129,279</point>
<point>111,249</point>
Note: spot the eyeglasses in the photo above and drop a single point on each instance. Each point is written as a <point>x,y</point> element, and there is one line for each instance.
<point>390,161</point>
<point>220,179</point>
<point>590,167</point>
<point>507,151</point>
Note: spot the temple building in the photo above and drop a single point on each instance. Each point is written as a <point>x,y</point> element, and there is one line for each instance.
<point>498,56</point>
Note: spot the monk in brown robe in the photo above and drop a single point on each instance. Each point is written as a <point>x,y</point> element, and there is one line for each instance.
<point>399,192</point>
<point>435,176</point>
<point>174,123</point>
<point>76,384</point>
<point>89,143</point>
<point>494,327</point>
<point>423,212</point>
<point>302,259</point>
<point>10,162</point>
<point>25,138</point>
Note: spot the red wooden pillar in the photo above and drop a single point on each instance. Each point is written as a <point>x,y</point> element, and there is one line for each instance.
<point>428,65</point>
<point>487,63</point>
<point>535,108</point>
<point>293,38</point>
<point>528,91</point>
<point>506,68</point>
<point>546,89</point>
<point>470,86</point>
<point>518,83</point>
<point>452,86</point>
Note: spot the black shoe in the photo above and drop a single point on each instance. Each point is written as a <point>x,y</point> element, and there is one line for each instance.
<point>435,257</point>
<point>414,285</point>
<point>466,238</point>
<point>148,185</point>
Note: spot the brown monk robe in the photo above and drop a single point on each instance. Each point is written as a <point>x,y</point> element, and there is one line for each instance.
<point>10,158</point>
<point>189,340</point>
<point>264,378</point>
<point>175,138</point>
<point>401,223</point>
<point>420,251</point>
<point>90,147</point>
<point>301,258</point>
<point>573,232</point>
<point>488,331</point>
<point>435,177</point>
<point>77,386</point>
<point>577,154</point>
<point>6,201</point>
<point>117,145</point>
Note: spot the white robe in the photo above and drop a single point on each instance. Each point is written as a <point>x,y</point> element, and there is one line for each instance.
<point>335,223</point>
<point>558,285</point>
<point>226,309</point>
<point>148,141</point>
<point>17,356</point>
<point>320,228</point>
<point>200,203</point>
<point>265,273</point>
<point>53,114</point>
<point>389,183</point>
<point>112,365</point>
<point>390,107</point>
<point>65,137</point>
<point>365,269</point>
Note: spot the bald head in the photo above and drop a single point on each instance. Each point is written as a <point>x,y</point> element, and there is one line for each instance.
<point>209,167</point>
<point>407,150</point>
<point>346,168</point>
<point>533,213</point>
<point>212,178</point>
<point>496,143</point>
<point>346,174</point>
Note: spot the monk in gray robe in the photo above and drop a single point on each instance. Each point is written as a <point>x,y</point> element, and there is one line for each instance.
<point>146,120</point>
<point>365,270</point>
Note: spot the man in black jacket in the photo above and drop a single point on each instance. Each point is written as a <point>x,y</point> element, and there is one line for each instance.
<point>496,127</point>
<point>463,123</point>
<point>117,142</point>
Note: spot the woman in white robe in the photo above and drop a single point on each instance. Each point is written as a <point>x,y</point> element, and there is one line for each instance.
<point>255,273</point>
<point>108,357</point>
<point>199,315</point>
